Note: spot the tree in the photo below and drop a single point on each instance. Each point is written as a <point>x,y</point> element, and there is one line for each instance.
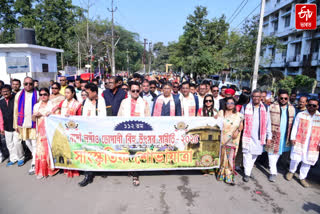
<point>8,21</point>
<point>199,48</point>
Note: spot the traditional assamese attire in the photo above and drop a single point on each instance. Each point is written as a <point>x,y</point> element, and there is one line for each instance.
<point>189,105</point>
<point>229,146</point>
<point>257,128</point>
<point>306,133</point>
<point>70,108</point>
<point>281,125</point>
<point>135,108</point>
<point>98,109</point>
<point>42,159</point>
<point>23,110</point>
<point>166,106</point>
<point>56,101</point>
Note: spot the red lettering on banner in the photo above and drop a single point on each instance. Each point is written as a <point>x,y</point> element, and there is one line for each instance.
<point>130,139</point>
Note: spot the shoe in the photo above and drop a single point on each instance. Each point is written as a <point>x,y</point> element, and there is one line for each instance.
<point>88,179</point>
<point>31,171</point>
<point>304,183</point>
<point>39,177</point>
<point>10,163</point>
<point>246,178</point>
<point>289,176</point>
<point>20,163</point>
<point>272,178</point>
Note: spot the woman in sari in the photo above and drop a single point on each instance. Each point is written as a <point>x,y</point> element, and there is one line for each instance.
<point>40,111</point>
<point>69,107</point>
<point>208,111</point>
<point>232,127</point>
<point>56,97</point>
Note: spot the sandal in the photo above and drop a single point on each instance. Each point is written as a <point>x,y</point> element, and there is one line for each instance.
<point>135,181</point>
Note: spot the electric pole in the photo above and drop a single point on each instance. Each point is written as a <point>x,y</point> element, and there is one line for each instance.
<point>144,56</point>
<point>113,65</point>
<point>150,53</point>
<point>128,61</point>
<point>257,58</point>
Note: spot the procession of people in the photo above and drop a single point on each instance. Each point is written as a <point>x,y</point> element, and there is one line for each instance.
<point>253,123</point>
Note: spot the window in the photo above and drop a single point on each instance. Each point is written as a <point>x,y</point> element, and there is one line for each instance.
<point>297,51</point>
<point>273,53</point>
<point>275,26</point>
<point>43,56</point>
<point>45,68</point>
<point>210,137</point>
<point>287,20</point>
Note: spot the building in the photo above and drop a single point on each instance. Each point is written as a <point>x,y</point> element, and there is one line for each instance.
<point>25,58</point>
<point>21,60</point>
<point>300,51</point>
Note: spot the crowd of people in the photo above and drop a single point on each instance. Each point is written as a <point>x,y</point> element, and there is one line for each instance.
<point>253,123</point>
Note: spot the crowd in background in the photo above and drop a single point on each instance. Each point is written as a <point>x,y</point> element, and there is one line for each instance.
<point>254,122</point>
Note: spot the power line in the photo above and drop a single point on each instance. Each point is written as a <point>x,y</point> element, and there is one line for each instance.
<point>235,16</point>
<point>249,15</point>
<point>234,12</point>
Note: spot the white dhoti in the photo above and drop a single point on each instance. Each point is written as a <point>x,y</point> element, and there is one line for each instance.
<point>248,162</point>
<point>273,159</point>
<point>304,169</point>
<point>32,146</point>
<point>14,146</point>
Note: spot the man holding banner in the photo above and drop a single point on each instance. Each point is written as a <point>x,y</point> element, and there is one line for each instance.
<point>134,106</point>
<point>94,105</point>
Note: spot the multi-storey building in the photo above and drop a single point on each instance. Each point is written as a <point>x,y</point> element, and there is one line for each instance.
<point>300,50</point>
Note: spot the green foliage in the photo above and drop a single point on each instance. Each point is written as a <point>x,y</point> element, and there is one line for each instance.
<point>301,82</point>
<point>199,48</point>
<point>286,83</point>
<point>7,21</point>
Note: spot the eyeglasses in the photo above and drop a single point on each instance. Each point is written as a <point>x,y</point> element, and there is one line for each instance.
<point>208,101</point>
<point>215,90</point>
<point>283,98</point>
<point>4,92</point>
<point>54,88</point>
<point>28,83</point>
<point>152,87</point>
<point>175,87</point>
<point>230,103</point>
<point>312,105</point>
<point>135,91</point>
<point>43,94</point>
<point>83,95</point>
<point>62,80</point>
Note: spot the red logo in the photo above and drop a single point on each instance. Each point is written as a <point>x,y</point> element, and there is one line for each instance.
<point>306,16</point>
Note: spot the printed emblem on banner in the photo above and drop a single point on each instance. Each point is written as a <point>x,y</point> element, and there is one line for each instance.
<point>133,125</point>
<point>306,16</point>
<point>71,125</point>
<point>206,160</point>
<point>181,126</point>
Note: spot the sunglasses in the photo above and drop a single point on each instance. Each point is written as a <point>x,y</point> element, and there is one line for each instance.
<point>230,103</point>
<point>312,105</point>
<point>135,91</point>
<point>54,88</point>
<point>283,98</point>
<point>208,101</point>
<point>28,83</point>
<point>215,90</point>
<point>43,94</point>
<point>152,87</point>
<point>62,80</point>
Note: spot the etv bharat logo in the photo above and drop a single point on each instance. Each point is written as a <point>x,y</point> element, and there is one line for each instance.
<point>306,16</point>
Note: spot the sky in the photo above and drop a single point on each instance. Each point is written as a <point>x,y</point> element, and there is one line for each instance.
<point>163,20</point>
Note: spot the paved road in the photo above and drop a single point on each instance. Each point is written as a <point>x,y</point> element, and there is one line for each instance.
<point>165,193</point>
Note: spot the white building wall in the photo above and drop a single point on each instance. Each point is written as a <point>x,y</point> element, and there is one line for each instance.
<point>292,63</point>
